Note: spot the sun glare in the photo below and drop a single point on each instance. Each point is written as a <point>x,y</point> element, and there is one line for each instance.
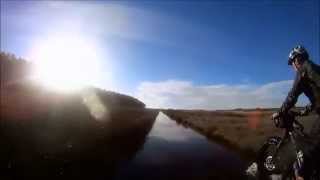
<point>66,63</point>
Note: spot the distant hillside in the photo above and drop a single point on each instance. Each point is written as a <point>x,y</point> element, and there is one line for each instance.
<point>45,134</point>
<point>13,69</point>
<point>20,95</point>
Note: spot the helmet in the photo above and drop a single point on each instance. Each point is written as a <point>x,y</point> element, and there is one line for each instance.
<point>298,51</point>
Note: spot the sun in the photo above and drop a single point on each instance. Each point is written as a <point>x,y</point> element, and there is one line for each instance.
<point>66,63</point>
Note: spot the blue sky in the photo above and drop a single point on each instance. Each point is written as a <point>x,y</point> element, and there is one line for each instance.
<point>200,49</point>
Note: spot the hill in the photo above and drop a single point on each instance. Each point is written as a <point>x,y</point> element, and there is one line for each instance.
<point>51,135</point>
<point>20,95</point>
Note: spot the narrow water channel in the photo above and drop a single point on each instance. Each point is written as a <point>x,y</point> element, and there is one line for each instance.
<point>172,151</point>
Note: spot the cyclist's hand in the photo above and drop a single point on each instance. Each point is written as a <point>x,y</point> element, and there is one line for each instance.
<point>275,115</point>
<point>306,110</point>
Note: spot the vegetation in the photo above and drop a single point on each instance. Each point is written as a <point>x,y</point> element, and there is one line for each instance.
<point>12,69</point>
<point>243,131</point>
<point>14,80</point>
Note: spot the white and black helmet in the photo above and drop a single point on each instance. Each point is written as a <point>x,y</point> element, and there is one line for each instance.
<point>298,51</point>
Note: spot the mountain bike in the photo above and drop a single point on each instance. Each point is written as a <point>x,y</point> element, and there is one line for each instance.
<point>278,155</point>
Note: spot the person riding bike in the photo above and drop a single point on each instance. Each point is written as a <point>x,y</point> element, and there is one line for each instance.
<point>307,81</point>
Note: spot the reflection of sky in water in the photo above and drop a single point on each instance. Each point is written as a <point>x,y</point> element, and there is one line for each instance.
<point>170,143</point>
<point>169,130</point>
<point>172,149</point>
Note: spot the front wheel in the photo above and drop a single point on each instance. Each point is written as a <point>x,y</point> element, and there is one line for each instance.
<point>271,163</point>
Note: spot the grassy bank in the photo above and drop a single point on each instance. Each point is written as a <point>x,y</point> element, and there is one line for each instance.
<point>242,131</point>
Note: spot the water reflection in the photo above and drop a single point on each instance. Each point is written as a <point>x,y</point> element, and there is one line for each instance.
<point>174,152</point>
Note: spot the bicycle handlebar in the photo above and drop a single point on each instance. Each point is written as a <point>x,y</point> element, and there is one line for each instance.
<point>288,121</point>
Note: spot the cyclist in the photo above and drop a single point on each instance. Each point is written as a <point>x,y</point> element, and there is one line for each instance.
<point>307,81</point>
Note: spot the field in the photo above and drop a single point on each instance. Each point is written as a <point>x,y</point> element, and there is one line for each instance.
<point>242,131</point>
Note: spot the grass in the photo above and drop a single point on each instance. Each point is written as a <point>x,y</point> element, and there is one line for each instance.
<point>242,131</point>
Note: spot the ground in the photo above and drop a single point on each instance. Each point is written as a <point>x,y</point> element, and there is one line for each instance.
<point>243,131</point>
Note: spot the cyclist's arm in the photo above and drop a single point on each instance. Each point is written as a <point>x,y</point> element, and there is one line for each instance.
<point>293,95</point>
<point>312,99</point>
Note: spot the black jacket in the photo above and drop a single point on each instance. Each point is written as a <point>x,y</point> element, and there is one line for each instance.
<point>307,81</point>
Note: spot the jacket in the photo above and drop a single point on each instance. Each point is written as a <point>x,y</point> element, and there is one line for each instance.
<point>307,81</point>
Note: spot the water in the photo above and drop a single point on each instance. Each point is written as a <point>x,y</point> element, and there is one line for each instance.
<point>172,151</point>
<point>139,145</point>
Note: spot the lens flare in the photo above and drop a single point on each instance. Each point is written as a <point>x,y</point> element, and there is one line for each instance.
<point>97,109</point>
<point>254,119</point>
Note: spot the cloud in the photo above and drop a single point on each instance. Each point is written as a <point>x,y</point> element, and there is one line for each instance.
<point>100,20</point>
<point>108,19</point>
<point>185,95</point>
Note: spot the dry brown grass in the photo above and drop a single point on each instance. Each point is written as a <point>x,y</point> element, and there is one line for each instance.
<point>241,130</point>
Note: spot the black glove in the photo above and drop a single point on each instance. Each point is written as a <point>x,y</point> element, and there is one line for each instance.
<point>306,110</point>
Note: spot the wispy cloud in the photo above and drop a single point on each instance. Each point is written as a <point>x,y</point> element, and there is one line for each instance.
<point>100,20</point>
<point>185,95</point>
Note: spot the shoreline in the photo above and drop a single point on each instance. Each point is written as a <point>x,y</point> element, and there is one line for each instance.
<point>241,131</point>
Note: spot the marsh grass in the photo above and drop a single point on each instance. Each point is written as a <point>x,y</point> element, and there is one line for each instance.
<point>242,131</point>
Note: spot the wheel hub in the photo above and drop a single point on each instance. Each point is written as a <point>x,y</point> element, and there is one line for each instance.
<point>269,164</point>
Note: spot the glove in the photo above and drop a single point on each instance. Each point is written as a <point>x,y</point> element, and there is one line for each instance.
<point>275,115</point>
<point>306,110</point>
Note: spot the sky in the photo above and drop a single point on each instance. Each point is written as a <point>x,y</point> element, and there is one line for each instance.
<point>179,54</point>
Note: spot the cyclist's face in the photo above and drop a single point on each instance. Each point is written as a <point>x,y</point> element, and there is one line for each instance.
<point>296,65</point>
